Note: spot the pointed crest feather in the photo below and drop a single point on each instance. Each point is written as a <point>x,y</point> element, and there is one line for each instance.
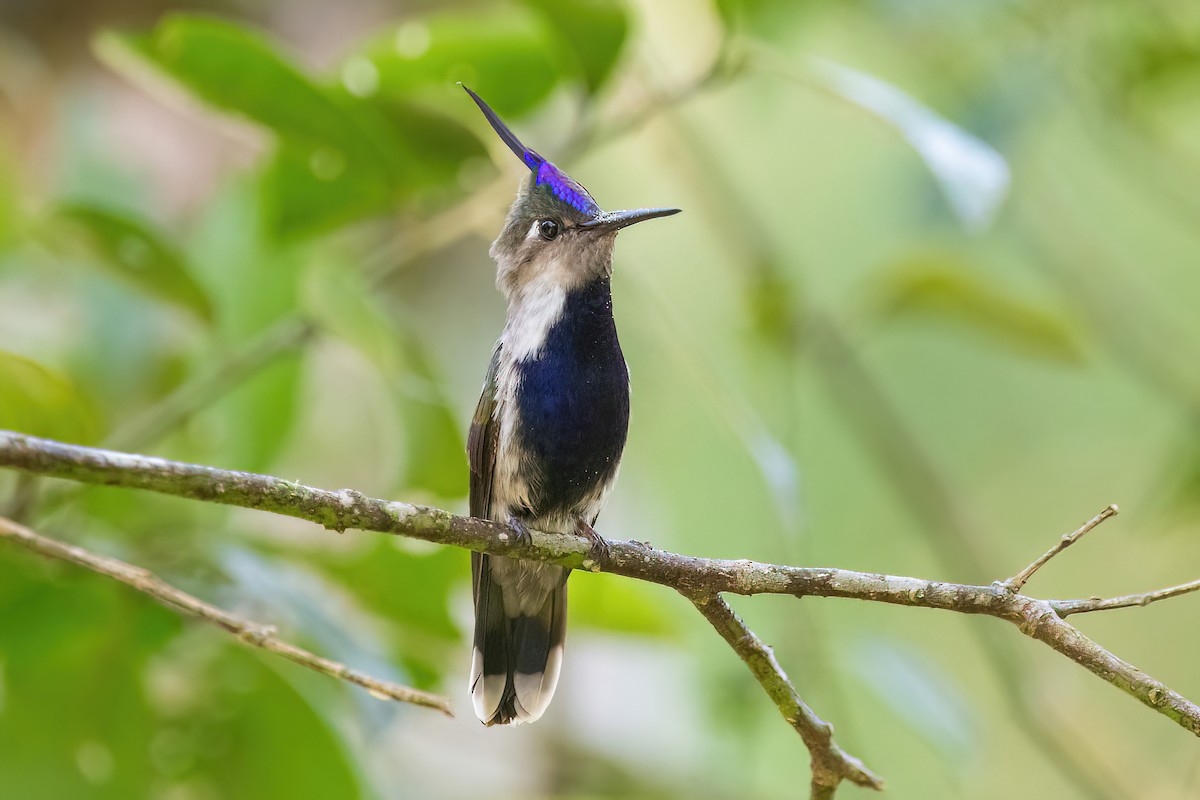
<point>561,185</point>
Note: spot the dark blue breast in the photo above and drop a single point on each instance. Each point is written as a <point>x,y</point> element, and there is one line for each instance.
<point>573,403</point>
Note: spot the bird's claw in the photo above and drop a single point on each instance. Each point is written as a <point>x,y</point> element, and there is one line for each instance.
<point>520,531</point>
<point>600,549</point>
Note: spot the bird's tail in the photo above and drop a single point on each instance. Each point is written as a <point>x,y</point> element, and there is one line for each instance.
<point>516,656</point>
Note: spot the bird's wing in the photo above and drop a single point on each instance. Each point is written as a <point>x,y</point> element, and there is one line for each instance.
<point>482,442</point>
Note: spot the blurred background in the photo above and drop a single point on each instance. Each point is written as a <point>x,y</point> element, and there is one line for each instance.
<point>931,305</point>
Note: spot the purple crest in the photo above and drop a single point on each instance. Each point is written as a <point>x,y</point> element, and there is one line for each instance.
<point>562,185</point>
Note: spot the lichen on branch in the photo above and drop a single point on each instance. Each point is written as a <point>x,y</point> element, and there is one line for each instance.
<point>701,580</point>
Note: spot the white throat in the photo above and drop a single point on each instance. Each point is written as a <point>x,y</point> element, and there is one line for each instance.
<point>533,309</point>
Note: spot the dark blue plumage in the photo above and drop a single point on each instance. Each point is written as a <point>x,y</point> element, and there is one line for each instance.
<point>573,403</point>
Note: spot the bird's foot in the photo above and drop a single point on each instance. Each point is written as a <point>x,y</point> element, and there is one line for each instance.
<point>600,549</point>
<point>520,531</point>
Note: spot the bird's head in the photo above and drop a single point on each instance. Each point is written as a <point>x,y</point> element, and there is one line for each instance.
<point>555,232</point>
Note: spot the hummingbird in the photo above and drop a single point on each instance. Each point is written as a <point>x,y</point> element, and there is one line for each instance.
<point>547,436</point>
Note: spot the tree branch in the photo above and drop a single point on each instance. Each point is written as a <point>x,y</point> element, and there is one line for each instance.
<point>251,633</point>
<point>957,537</point>
<point>1018,581</point>
<point>697,578</point>
<point>830,764</point>
<point>1066,607</point>
<point>955,533</point>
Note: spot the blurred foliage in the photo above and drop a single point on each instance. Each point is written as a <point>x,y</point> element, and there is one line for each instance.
<point>255,235</point>
<point>949,291</point>
<point>124,244</point>
<point>36,399</point>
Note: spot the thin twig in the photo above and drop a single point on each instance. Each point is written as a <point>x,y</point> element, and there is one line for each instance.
<point>1018,581</point>
<point>1067,607</point>
<point>830,764</point>
<point>693,576</point>
<point>956,533</point>
<point>956,536</point>
<point>252,633</point>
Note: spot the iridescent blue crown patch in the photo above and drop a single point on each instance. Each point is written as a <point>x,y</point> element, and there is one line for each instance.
<point>561,185</point>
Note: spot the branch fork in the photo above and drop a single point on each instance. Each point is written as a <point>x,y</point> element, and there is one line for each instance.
<point>1018,581</point>
<point>702,581</point>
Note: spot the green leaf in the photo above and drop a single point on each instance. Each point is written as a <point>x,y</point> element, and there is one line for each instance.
<point>253,278</point>
<point>277,742</point>
<point>505,56</point>
<point>236,70</point>
<point>255,283</point>
<point>130,249</point>
<point>74,649</point>
<point>592,32</point>
<point>377,572</point>
<point>336,296</point>
<point>403,584</point>
<point>259,414</point>
<point>435,453</point>
<point>308,189</point>
<point>948,293</point>
<point>239,71</point>
<point>441,145</point>
<point>39,401</point>
<point>347,149</point>
<point>106,698</point>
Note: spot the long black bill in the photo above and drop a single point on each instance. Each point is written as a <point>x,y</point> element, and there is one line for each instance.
<point>615,220</point>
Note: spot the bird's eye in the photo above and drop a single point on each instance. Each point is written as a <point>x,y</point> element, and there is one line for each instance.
<point>548,229</point>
